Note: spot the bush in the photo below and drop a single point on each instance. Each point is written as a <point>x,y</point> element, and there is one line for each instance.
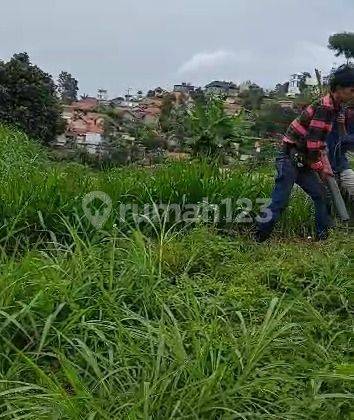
<point>273,119</point>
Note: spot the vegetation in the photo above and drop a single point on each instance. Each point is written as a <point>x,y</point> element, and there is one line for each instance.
<point>342,44</point>
<point>164,321</point>
<point>272,119</point>
<point>252,97</point>
<point>212,131</point>
<point>28,99</point>
<point>68,87</point>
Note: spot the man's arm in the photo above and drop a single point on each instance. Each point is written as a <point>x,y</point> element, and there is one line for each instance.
<point>319,128</point>
<point>348,143</point>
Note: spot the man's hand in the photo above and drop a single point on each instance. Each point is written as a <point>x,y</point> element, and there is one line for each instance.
<point>342,124</point>
<point>341,119</point>
<point>327,169</point>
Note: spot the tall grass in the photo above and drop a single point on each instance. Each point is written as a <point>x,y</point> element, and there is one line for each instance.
<point>36,196</point>
<point>163,322</point>
<point>206,328</point>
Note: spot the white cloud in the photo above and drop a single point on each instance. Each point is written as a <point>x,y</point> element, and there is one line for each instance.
<point>212,60</point>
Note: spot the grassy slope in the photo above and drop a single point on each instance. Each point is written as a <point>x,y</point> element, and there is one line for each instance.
<point>188,325</point>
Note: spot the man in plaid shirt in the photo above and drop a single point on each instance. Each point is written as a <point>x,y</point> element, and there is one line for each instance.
<point>303,155</point>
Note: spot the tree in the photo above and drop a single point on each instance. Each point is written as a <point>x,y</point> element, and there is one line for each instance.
<point>28,99</point>
<point>280,90</point>
<point>342,44</point>
<point>252,97</point>
<point>198,96</point>
<point>150,138</point>
<point>273,119</point>
<point>304,76</point>
<point>166,109</point>
<point>68,87</point>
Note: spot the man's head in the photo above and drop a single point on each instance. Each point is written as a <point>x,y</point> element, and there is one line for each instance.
<point>342,83</point>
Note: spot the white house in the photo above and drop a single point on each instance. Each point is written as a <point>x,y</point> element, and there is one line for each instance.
<point>102,95</point>
<point>296,81</point>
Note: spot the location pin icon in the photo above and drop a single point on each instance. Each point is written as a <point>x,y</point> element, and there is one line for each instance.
<point>97,215</point>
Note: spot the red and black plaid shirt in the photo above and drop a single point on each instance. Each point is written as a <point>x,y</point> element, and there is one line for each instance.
<point>310,130</point>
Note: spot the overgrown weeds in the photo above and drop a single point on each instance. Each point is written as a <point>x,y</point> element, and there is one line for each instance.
<point>166,320</point>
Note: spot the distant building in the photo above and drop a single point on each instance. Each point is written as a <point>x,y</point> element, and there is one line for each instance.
<point>186,88</point>
<point>158,93</point>
<point>117,101</point>
<point>84,127</point>
<point>102,95</point>
<point>297,80</point>
<point>294,84</point>
<point>128,101</point>
<point>86,131</point>
<point>221,88</point>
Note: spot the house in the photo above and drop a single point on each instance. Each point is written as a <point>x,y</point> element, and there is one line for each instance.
<point>102,95</point>
<point>117,101</point>
<point>185,88</point>
<point>221,88</point>
<point>158,92</point>
<point>129,101</point>
<point>297,80</point>
<point>294,84</point>
<point>84,128</point>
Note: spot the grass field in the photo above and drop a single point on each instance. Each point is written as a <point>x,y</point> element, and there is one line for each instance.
<point>166,321</point>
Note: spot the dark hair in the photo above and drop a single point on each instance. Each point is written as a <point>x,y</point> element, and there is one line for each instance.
<point>342,77</point>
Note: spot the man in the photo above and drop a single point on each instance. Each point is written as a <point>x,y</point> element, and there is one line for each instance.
<point>302,156</point>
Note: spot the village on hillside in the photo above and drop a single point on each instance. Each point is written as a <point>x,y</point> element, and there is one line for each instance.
<point>90,120</point>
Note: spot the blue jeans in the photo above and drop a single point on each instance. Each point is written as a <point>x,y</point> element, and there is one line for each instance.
<point>289,174</point>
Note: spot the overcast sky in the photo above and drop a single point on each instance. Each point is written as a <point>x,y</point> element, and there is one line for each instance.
<point>140,44</point>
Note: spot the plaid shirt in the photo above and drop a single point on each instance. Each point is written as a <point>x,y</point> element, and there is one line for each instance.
<point>310,130</point>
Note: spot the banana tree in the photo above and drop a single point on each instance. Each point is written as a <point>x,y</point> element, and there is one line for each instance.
<point>212,130</point>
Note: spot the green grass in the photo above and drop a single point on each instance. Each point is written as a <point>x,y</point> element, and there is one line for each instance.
<point>164,322</point>
<point>37,196</point>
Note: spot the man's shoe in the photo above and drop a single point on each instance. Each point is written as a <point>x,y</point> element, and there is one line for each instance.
<point>323,236</point>
<point>261,237</point>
